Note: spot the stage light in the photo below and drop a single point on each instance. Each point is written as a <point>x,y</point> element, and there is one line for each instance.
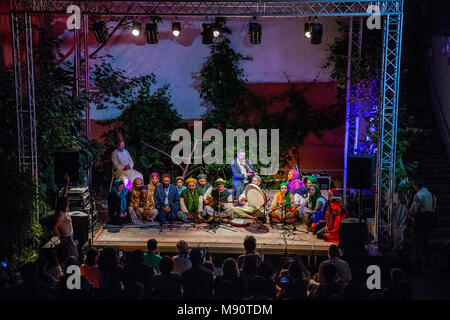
<point>254,31</point>
<point>308,30</point>
<point>216,30</point>
<point>316,33</point>
<point>100,31</point>
<point>151,33</point>
<point>136,28</point>
<point>176,29</point>
<point>207,35</point>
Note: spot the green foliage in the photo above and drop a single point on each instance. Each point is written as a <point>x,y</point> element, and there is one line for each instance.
<point>148,116</point>
<point>223,83</point>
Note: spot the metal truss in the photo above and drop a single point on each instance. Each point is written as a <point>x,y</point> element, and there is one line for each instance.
<point>391,10</point>
<point>249,8</point>
<point>355,31</point>
<point>22,37</point>
<point>384,204</point>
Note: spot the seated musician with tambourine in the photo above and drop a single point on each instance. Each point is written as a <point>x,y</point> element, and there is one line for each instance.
<point>219,201</point>
<point>247,211</point>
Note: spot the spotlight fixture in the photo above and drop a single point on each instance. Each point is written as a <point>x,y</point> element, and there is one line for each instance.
<point>216,30</point>
<point>316,33</point>
<point>308,30</point>
<point>100,31</point>
<point>254,31</point>
<point>207,33</point>
<point>151,33</point>
<point>136,28</point>
<point>176,29</point>
<point>313,31</point>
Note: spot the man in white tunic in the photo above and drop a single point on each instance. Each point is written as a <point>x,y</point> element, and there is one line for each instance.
<point>123,165</point>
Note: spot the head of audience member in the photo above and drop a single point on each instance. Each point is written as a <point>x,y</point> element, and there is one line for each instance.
<point>220,184</point>
<point>70,261</point>
<point>29,272</point>
<point>166,265</point>
<point>256,180</point>
<point>138,183</point>
<point>329,272</point>
<point>258,286</point>
<point>230,269</point>
<point>250,265</point>
<point>191,184</point>
<point>183,247</point>
<point>154,178</point>
<point>152,244</point>
<point>42,265</point>
<point>208,265</point>
<point>224,290</point>
<point>51,257</point>
<point>107,259</point>
<point>121,145</point>
<point>249,244</point>
<point>419,183</point>
<point>295,270</point>
<point>333,251</point>
<point>202,179</point>
<point>137,291</point>
<point>241,155</point>
<point>180,182</point>
<point>265,270</point>
<point>284,188</point>
<point>91,257</point>
<point>166,180</point>
<point>136,258</point>
<point>196,257</point>
<point>397,276</point>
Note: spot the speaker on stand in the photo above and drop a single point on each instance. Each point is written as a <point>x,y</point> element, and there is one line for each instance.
<point>360,175</point>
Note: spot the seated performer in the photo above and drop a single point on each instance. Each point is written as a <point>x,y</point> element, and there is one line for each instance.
<point>203,186</point>
<point>123,164</point>
<point>315,210</point>
<point>154,182</point>
<point>180,186</point>
<point>246,211</point>
<point>191,206</point>
<point>118,200</point>
<point>331,231</point>
<point>293,180</point>
<point>141,206</point>
<point>300,200</point>
<point>167,200</point>
<point>332,195</point>
<point>242,171</point>
<point>283,208</point>
<point>219,201</point>
<point>312,180</point>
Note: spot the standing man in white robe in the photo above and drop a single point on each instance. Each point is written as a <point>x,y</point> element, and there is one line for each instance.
<point>123,164</point>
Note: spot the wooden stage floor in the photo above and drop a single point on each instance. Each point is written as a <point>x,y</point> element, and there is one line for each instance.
<point>223,239</point>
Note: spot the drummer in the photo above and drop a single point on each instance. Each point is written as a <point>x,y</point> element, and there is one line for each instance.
<point>247,211</point>
<point>219,200</point>
<point>283,208</point>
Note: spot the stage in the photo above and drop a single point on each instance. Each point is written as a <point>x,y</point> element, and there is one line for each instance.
<point>223,239</point>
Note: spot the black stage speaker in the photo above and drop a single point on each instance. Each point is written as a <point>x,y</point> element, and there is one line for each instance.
<point>80,223</point>
<point>352,234</point>
<point>360,171</point>
<point>67,161</point>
